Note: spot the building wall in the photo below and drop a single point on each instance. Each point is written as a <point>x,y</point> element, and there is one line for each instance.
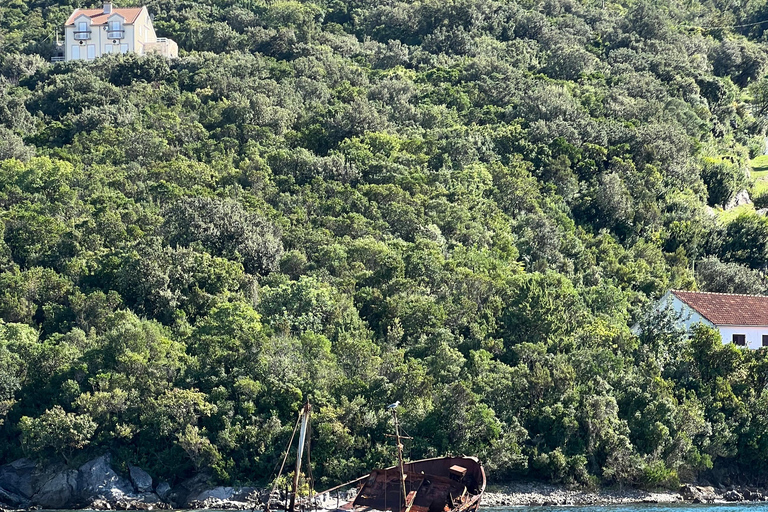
<point>142,32</point>
<point>136,36</point>
<point>754,334</point>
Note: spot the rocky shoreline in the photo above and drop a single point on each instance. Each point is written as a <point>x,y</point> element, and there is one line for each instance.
<point>97,486</point>
<point>532,494</point>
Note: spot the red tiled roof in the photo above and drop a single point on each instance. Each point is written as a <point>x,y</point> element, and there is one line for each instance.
<point>99,18</point>
<point>727,308</point>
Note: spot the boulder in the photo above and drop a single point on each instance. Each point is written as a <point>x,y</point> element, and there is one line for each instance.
<point>186,491</point>
<point>162,490</point>
<point>100,505</point>
<point>733,495</point>
<point>99,480</point>
<point>217,493</point>
<point>12,499</point>
<point>149,498</point>
<point>18,477</point>
<point>690,493</point>
<point>140,478</point>
<point>60,491</point>
<point>741,198</point>
<point>708,494</point>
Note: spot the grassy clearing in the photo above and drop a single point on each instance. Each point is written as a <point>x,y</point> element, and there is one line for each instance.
<point>759,174</point>
<point>727,216</point>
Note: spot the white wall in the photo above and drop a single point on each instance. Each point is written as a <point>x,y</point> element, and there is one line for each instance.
<point>754,334</point>
<point>137,35</point>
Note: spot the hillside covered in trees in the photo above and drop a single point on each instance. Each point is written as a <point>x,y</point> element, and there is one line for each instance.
<point>462,205</point>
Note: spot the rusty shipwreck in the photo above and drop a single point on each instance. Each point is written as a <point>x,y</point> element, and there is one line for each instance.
<point>443,484</point>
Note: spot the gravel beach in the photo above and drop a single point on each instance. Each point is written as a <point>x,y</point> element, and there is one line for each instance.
<point>538,494</point>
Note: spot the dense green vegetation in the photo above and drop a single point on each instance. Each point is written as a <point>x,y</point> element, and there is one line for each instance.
<point>459,204</point>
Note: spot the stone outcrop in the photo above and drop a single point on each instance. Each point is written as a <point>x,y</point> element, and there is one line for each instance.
<point>142,481</point>
<point>188,490</point>
<point>163,489</point>
<point>99,481</point>
<point>698,494</point>
<point>62,490</point>
<point>17,478</point>
<point>95,485</point>
<point>741,198</point>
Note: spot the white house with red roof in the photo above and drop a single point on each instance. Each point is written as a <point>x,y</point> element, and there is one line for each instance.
<point>741,319</point>
<point>92,33</point>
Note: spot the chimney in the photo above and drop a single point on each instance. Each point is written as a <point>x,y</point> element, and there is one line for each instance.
<point>107,7</point>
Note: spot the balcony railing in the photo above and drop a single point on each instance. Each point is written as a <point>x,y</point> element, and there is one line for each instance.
<point>115,34</point>
<point>81,35</point>
<point>57,58</point>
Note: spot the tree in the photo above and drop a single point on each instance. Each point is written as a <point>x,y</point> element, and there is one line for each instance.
<point>225,228</point>
<point>716,276</point>
<point>58,430</point>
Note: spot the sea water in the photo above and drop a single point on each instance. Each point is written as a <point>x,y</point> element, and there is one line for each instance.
<point>640,507</point>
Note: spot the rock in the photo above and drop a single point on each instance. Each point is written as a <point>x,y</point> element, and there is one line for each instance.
<point>18,477</point>
<point>690,493</point>
<point>99,480</point>
<point>752,495</point>
<point>149,498</point>
<point>733,495</point>
<point>142,481</point>
<point>217,493</point>
<point>100,505</point>
<point>60,491</point>
<point>12,499</point>
<point>224,498</point>
<point>162,490</point>
<point>742,197</point>
<point>188,490</point>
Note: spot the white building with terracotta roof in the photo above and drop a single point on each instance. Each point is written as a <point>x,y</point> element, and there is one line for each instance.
<point>741,319</point>
<point>92,33</point>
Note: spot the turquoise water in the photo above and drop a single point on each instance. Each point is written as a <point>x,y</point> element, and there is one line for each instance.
<point>642,507</point>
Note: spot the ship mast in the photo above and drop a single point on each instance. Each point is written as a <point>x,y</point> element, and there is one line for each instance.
<point>398,439</point>
<point>304,414</point>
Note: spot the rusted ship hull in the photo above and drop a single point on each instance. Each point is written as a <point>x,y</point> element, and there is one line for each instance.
<point>446,484</point>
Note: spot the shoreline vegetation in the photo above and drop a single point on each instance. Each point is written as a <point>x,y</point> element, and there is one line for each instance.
<point>96,485</point>
<point>461,206</point>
